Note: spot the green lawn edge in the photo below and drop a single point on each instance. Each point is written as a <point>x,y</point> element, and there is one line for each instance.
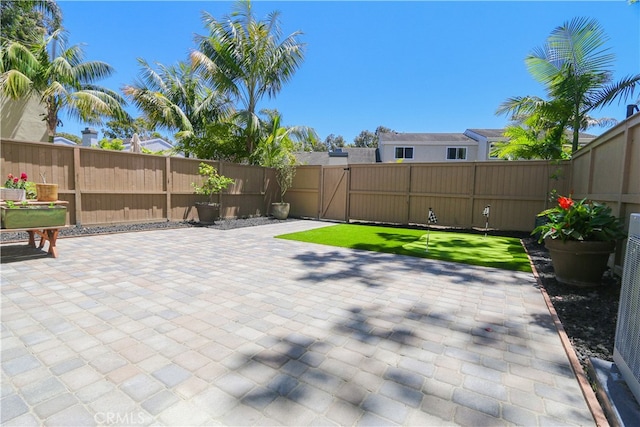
<point>474,249</point>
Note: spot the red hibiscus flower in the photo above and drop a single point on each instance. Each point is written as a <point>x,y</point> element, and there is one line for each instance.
<point>565,202</point>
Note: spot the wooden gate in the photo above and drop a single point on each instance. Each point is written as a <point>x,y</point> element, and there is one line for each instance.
<point>335,193</point>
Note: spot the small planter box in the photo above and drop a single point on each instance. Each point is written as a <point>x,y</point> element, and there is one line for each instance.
<point>33,216</point>
<point>14,194</point>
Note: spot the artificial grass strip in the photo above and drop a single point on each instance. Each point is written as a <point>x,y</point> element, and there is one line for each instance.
<point>475,249</point>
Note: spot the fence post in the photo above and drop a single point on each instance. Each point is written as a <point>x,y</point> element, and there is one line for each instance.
<point>76,185</point>
<point>408,196</point>
<point>347,208</point>
<point>320,190</point>
<point>169,185</point>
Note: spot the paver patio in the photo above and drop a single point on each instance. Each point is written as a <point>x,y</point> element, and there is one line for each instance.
<point>198,326</point>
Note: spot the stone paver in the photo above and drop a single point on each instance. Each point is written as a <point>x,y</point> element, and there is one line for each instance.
<point>207,327</point>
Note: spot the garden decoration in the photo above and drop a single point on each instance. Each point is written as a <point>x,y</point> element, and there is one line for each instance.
<point>580,236</point>
<point>431,218</point>
<point>485,213</point>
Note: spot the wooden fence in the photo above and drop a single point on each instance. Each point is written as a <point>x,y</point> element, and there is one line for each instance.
<point>106,187</point>
<point>608,169</point>
<point>457,192</point>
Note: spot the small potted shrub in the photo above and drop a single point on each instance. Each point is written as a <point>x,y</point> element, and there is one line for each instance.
<point>285,172</point>
<point>580,236</point>
<point>213,184</point>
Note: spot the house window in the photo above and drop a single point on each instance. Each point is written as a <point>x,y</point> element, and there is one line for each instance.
<point>456,153</point>
<point>404,152</point>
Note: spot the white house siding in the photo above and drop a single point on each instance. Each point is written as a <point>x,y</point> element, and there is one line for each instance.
<point>427,147</point>
<point>427,152</point>
<point>432,147</point>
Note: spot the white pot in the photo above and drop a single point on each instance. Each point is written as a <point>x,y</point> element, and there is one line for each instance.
<point>13,194</point>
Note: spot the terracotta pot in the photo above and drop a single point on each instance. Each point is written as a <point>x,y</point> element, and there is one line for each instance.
<point>208,213</point>
<point>280,210</point>
<point>579,263</point>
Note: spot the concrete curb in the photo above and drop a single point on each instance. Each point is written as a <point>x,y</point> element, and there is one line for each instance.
<point>590,397</point>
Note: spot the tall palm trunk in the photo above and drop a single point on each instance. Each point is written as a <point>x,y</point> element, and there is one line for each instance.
<point>52,121</point>
<point>576,126</point>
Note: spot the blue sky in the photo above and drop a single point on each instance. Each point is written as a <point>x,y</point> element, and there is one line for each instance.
<point>417,66</point>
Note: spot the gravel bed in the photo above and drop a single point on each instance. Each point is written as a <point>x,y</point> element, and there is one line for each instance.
<point>225,224</point>
<point>588,314</point>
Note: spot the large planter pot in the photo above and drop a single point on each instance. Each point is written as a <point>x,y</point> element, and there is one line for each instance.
<point>208,213</point>
<point>280,210</point>
<point>47,192</point>
<point>13,194</point>
<point>33,216</point>
<point>579,263</point>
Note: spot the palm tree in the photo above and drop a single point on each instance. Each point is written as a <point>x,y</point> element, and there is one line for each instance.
<point>28,21</point>
<point>275,149</point>
<point>277,143</point>
<point>60,78</point>
<point>177,98</point>
<point>537,131</point>
<point>246,58</point>
<point>575,68</point>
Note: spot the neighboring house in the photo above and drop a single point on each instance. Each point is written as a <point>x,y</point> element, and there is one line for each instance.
<point>427,147</point>
<point>472,145</point>
<point>487,138</point>
<point>90,139</point>
<point>341,156</point>
<point>63,141</point>
<point>152,144</point>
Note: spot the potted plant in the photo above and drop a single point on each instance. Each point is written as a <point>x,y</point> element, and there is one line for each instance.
<point>285,173</point>
<point>17,189</point>
<point>213,184</point>
<point>275,150</point>
<point>580,236</point>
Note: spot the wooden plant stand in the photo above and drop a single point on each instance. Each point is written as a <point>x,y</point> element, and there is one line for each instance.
<point>47,234</point>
